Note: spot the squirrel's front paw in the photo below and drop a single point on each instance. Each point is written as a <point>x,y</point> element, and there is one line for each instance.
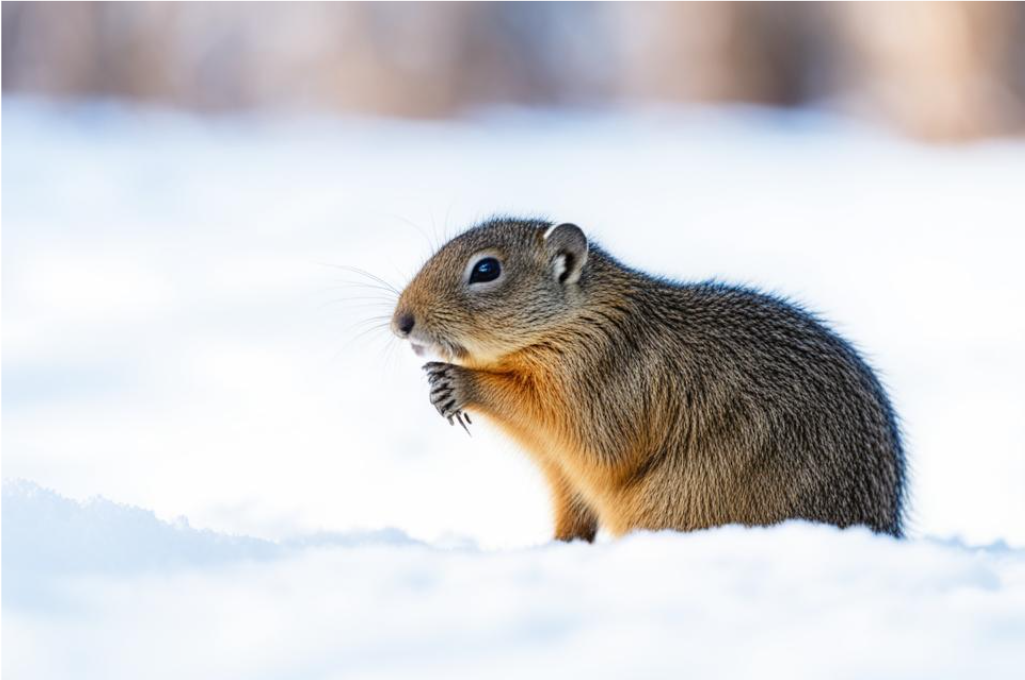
<point>449,390</point>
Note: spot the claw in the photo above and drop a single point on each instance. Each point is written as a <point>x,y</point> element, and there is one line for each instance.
<point>459,416</point>
<point>467,416</point>
<point>439,378</point>
<point>433,370</point>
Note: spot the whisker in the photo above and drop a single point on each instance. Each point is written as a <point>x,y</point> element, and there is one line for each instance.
<point>378,321</point>
<point>362,283</point>
<point>386,356</point>
<point>447,225</point>
<point>356,303</point>
<point>371,329</point>
<point>368,298</point>
<point>369,326</point>
<point>366,274</point>
<point>430,242</point>
<point>382,318</point>
<point>367,286</point>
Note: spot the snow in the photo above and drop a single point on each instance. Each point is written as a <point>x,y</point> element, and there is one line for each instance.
<point>141,598</point>
<point>176,339</point>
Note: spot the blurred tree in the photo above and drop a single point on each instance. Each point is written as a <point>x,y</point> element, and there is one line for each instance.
<point>941,71</point>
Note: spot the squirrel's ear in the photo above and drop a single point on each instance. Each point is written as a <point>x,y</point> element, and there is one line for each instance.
<point>568,245</point>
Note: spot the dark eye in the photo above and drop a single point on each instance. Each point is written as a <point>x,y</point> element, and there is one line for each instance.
<point>485,270</point>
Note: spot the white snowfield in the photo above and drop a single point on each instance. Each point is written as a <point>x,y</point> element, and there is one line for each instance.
<point>177,338</point>
<point>106,591</point>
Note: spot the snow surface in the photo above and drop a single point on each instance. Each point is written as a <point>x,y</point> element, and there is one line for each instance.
<point>116,593</point>
<point>176,337</point>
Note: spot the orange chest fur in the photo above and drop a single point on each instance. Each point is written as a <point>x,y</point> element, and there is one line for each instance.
<point>542,422</point>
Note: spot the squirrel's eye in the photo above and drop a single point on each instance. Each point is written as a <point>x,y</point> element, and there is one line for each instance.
<point>487,269</point>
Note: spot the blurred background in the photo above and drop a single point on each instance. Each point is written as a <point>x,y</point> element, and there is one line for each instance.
<point>181,180</point>
<point>935,71</point>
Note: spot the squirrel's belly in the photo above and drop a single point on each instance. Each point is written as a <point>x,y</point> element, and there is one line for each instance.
<point>620,508</point>
<point>664,498</point>
<point>555,456</point>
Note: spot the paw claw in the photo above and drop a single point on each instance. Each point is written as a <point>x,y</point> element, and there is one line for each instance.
<point>447,393</point>
<point>459,417</point>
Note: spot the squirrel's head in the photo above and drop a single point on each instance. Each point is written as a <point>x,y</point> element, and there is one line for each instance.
<point>493,290</point>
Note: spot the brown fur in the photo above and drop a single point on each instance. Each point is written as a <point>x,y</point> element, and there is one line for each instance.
<point>652,404</point>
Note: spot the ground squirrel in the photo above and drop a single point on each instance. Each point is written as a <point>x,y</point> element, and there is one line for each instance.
<point>648,403</point>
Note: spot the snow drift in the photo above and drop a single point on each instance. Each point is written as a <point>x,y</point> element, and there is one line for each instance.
<point>129,596</point>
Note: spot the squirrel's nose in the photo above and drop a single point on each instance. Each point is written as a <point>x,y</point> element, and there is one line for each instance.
<point>405,324</point>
